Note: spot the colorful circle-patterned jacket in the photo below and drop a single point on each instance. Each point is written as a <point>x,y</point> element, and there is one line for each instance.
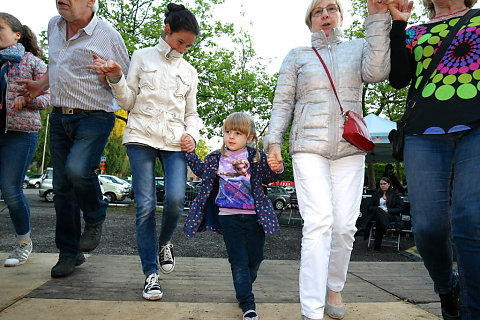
<point>203,213</point>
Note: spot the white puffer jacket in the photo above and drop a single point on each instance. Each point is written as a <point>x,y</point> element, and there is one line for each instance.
<point>160,93</point>
<point>304,90</point>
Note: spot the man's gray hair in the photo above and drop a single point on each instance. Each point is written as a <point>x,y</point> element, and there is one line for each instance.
<point>95,6</point>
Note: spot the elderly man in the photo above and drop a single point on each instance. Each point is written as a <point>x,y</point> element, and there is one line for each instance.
<point>80,124</point>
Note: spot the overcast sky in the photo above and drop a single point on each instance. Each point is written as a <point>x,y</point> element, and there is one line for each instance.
<point>277,26</point>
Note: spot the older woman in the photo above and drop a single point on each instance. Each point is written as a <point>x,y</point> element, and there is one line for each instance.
<point>328,170</point>
<point>442,147</point>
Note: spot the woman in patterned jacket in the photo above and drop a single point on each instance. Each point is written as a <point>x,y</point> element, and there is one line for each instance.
<point>19,125</point>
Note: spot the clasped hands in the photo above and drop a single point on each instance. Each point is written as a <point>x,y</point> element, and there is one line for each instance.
<point>274,159</point>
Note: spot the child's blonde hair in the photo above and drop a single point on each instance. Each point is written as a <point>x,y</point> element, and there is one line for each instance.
<point>242,122</point>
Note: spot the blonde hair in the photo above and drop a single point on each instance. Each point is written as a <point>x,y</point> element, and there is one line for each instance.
<point>242,122</point>
<point>428,4</point>
<point>313,4</point>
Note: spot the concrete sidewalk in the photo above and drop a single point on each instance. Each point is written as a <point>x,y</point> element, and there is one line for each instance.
<point>109,287</point>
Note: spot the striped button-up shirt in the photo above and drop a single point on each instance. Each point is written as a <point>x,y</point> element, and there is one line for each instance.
<point>71,83</point>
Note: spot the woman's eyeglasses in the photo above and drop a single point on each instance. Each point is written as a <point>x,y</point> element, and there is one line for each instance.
<point>331,9</point>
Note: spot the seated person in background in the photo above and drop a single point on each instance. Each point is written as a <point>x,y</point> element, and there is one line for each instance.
<point>385,207</point>
<point>390,174</point>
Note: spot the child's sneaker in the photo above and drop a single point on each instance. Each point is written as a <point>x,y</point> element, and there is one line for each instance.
<point>19,255</point>
<point>167,260</point>
<point>250,315</point>
<point>152,289</point>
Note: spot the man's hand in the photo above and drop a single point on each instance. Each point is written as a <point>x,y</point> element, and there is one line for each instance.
<point>187,143</point>
<point>30,89</point>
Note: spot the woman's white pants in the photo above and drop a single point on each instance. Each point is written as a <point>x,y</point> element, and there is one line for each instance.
<point>329,194</point>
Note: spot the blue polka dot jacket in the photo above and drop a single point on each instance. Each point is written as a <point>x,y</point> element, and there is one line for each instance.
<point>203,213</point>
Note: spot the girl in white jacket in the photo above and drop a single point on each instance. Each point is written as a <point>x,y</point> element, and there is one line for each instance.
<point>160,93</point>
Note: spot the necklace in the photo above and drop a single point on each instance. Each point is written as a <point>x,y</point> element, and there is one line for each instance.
<point>450,14</point>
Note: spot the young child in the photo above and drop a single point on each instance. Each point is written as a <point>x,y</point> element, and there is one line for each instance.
<point>234,204</point>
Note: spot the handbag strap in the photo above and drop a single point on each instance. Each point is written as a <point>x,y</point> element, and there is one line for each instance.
<point>434,63</point>
<point>329,78</point>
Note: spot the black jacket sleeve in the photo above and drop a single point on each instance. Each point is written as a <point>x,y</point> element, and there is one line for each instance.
<point>402,69</point>
<point>395,204</point>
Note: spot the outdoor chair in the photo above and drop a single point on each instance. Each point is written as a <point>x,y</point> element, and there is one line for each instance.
<point>293,212</point>
<point>387,241</point>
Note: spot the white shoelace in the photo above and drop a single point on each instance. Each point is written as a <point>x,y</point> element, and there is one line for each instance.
<point>152,281</point>
<point>166,252</point>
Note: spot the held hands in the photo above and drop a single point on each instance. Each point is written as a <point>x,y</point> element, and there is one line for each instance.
<point>377,6</point>
<point>187,143</point>
<point>104,68</point>
<point>20,102</point>
<point>274,159</point>
<point>400,9</point>
<point>29,90</point>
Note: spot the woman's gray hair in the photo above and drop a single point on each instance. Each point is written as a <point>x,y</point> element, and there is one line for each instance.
<point>313,4</point>
<point>430,7</point>
<point>95,6</point>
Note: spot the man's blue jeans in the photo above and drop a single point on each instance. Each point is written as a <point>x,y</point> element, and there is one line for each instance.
<point>244,239</point>
<point>77,142</point>
<point>443,175</point>
<point>142,162</point>
<point>16,152</point>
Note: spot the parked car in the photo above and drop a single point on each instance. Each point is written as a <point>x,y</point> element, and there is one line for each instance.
<point>119,181</point>
<point>279,197</point>
<point>46,186</point>
<point>113,191</point>
<point>25,182</point>
<point>190,191</point>
<point>35,180</point>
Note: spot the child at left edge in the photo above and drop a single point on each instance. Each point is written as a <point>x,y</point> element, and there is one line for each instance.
<point>235,205</point>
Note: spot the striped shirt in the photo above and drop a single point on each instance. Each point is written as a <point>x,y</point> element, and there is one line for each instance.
<point>71,83</point>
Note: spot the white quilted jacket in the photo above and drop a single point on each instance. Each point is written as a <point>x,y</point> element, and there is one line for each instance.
<point>304,91</point>
<point>160,93</point>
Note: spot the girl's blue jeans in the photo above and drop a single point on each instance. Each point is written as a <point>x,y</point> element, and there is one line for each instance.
<point>244,239</point>
<point>443,175</point>
<point>16,152</point>
<point>142,162</point>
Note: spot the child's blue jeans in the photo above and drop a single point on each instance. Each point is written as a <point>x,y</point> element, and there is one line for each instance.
<point>244,239</point>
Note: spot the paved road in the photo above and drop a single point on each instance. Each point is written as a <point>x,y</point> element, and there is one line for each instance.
<point>119,236</point>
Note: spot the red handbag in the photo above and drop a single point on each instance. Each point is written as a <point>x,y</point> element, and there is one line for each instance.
<point>355,130</point>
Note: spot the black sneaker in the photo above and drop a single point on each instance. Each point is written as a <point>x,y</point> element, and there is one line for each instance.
<point>166,258</point>
<point>152,289</point>
<point>451,306</point>
<point>64,267</point>
<point>90,237</point>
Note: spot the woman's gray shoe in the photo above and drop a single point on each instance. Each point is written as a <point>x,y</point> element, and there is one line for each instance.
<point>335,312</point>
